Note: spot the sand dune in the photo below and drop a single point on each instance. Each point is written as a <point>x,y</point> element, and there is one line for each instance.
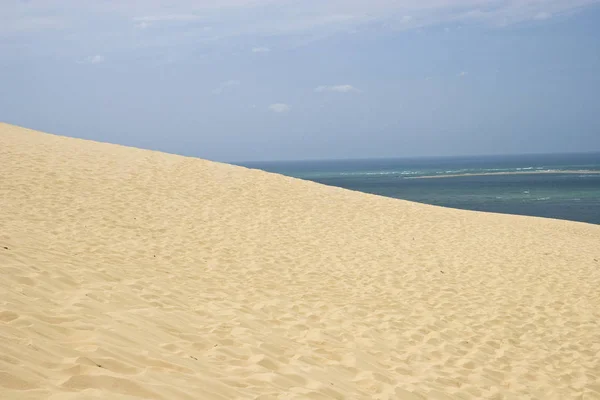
<point>129,274</point>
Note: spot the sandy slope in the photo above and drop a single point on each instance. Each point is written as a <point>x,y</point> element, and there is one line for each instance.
<point>130,274</point>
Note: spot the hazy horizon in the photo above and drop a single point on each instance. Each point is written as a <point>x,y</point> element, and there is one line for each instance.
<point>417,157</point>
<point>247,81</point>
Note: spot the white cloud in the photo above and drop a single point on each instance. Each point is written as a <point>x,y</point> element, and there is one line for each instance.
<point>268,17</point>
<point>167,17</point>
<point>261,49</point>
<point>144,22</point>
<point>280,107</point>
<point>226,86</point>
<point>97,59</point>
<point>337,88</point>
<point>462,74</point>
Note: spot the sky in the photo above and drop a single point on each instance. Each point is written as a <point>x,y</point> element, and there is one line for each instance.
<point>248,80</point>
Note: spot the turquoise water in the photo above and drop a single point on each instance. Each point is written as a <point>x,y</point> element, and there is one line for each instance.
<point>573,196</point>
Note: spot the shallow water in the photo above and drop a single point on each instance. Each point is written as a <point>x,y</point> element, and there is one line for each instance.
<point>573,196</point>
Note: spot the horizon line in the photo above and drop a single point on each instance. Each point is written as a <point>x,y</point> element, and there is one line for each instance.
<point>413,157</point>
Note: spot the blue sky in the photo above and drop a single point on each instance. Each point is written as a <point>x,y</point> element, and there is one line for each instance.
<point>242,80</point>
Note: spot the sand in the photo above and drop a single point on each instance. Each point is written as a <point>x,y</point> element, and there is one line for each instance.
<point>129,274</point>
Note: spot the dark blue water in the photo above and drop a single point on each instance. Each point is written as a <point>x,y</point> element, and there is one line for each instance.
<point>574,196</point>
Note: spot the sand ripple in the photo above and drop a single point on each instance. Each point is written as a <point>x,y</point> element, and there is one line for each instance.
<point>129,274</point>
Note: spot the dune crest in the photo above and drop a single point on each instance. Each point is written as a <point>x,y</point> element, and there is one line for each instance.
<point>134,274</point>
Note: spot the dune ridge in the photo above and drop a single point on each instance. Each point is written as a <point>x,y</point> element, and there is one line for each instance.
<point>128,274</point>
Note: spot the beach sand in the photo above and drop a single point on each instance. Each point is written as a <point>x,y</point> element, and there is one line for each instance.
<point>129,274</point>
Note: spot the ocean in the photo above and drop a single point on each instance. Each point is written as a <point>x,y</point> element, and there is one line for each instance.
<point>561,186</point>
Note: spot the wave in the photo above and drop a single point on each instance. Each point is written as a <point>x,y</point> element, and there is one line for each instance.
<point>417,173</point>
<point>377,173</point>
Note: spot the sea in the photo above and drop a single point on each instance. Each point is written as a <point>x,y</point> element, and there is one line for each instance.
<point>561,186</point>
